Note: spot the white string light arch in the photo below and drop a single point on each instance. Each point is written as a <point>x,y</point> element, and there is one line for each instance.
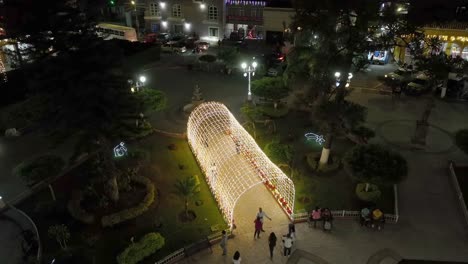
<point>232,161</point>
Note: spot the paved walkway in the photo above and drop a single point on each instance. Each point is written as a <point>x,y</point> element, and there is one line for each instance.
<point>426,193</point>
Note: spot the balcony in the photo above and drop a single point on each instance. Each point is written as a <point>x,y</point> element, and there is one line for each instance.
<point>244,20</point>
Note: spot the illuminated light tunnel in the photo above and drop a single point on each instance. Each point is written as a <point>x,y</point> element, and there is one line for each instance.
<point>232,161</point>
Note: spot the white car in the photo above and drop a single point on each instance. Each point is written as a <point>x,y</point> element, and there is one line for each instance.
<point>173,47</point>
<point>419,85</point>
<point>399,76</point>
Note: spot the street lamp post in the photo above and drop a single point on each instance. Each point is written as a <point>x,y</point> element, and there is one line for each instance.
<point>137,23</point>
<point>339,79</point>
<point>248,71</point>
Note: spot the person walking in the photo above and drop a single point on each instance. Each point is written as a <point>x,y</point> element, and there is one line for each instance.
<point>292,230</point>
<point>287,243</point>
<point>258,227</point>
<point>272,243</point>
<point>223,243</point>
<point>316,215</point>
<point>262,215</point>
<point>236,259</point>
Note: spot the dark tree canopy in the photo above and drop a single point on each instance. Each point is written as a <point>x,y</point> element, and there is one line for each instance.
<point>278,152</point>
<point>272,88</point>
<point>375,164</point>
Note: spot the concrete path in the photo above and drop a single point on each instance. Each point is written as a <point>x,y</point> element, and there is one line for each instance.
<point>430,226</point>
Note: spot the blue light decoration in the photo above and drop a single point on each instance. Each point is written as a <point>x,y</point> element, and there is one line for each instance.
<point>120,150</point>
<point>318,138</point>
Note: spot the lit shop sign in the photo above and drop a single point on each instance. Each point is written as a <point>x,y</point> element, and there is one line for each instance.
<point>245,2</point>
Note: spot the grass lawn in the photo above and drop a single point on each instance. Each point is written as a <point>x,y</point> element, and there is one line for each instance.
<point>335,190</point>
<point>164,167</point>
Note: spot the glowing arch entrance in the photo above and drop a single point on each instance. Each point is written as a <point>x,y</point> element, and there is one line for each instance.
<point>232,161</point>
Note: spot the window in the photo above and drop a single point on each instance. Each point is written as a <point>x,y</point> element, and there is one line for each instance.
<point>213,32</point>
<point>253,12</point>
<point>176,10</point>
<point>154,10</point>
<point>212,12</point>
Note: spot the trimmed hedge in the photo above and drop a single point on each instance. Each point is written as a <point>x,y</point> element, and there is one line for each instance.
<point>372,195</point>
<point>130,213</point>
<point>40,168</point>
<point>270,111</point>
<point>461,139</point>
<point>75,210</point>
<point>146,246</point>
<point>313,158</point>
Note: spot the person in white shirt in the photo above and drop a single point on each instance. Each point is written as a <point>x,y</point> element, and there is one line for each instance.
<point>287,242</point>
<point>261,215</point>
<point>236,259</point>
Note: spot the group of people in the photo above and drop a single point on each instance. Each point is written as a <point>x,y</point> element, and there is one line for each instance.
<point>373,218</point>
<point>323,215</point>
<point>288,239</point>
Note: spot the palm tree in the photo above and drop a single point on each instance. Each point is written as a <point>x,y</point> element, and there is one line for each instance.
<point>186,188</point>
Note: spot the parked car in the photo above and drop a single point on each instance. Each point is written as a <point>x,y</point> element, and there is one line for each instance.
<point>157,38</point>
<point>173,47</point>
<point>202,45</point>
<point>400,76</point>
<point>420,85</point>
<point>276,69</point>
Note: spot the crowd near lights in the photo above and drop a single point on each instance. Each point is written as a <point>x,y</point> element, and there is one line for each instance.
<point>232,161</point>
<point>316,137</point>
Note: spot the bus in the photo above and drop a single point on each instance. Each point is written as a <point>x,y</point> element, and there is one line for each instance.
<point>111,31</point>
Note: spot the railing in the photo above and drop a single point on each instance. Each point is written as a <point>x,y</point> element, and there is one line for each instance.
<point>389,218</point>
<point>199,245</point>
<point>456,185</point>
<point>244,18</point>
<point>453,25</point>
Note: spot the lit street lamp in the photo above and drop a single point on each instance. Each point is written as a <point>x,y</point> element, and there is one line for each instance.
<point>338,79</point>
<point>137,23</point>
<point>249,70</point>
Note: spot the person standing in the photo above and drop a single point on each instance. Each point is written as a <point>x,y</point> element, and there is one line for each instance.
<point>262,215</point>
<point>223,243</point>
<point>258,227</point>
<point>292,230</point>
<point>236,259</point>
<point>287,243</point>
<point>316,215</point>
<point>272,243</point>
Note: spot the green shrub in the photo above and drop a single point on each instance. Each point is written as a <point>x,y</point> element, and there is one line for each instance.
<point>364,132</point>
<point>372,194</point>
<point>278,152</point>
<point>139,154</point>
<point>75,210</point>
<point>130,213</point>
<point>207,58</point>
<point>376,164</point>
<point>461,139</point>
<point>313,162</point>
<point>40,168</point>
<point>146,246</point>
<point>270,111</point>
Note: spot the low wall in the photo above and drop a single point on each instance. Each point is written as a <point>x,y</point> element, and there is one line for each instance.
<point>458,192</point>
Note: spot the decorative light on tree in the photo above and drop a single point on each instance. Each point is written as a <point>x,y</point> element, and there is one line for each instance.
<point>120,150</point>
<point>318,138</point>
<point>232,161</point>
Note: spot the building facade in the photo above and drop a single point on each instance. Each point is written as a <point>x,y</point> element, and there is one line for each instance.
<point>204,18</point>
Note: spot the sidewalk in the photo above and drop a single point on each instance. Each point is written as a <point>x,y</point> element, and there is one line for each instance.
<point>424,195</point>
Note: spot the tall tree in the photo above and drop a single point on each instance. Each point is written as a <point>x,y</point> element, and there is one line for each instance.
<point>334,37</point>
<point>186,188</point>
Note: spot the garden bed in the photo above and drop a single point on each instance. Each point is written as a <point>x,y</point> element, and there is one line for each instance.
<point>93,242</point>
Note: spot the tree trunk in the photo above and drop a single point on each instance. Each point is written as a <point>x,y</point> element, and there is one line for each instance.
<point>367,187</point>
<point>326,150</point>
<point>113,189</point>
<point>275,105</point>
